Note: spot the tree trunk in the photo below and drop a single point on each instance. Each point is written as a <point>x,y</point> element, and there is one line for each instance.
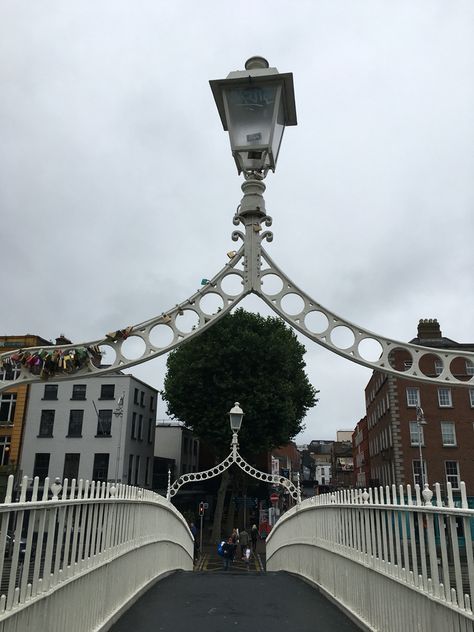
<point>230,523</point>
<point>216,526</point>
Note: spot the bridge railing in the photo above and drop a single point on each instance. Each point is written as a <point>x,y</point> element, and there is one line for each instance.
<point>75,555</point>
<point>394,560</point>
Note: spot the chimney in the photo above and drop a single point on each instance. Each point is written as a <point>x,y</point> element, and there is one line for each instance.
<point>62,340</point>
<point>428,329</point>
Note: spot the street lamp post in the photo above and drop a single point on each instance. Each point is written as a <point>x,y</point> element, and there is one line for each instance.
<point>118,412</point>
<point>236,415</point>
<point>420,421</point>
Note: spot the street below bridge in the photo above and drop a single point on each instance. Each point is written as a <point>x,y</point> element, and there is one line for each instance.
<point>219,601</point>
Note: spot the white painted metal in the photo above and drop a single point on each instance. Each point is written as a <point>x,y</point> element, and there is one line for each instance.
<point>234,457</point>
<point>257,265</point>
<point>90,543</point>
<point>366,551</point>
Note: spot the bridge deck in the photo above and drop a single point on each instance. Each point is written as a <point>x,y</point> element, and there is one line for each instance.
<point>232,600</point>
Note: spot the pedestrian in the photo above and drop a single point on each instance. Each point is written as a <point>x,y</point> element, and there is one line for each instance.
<point>228,552</point>
<point>235,536</point>
<point>194,531</point>
<point>254,537</point>
<point>244,541</point>
<point>247,557</point>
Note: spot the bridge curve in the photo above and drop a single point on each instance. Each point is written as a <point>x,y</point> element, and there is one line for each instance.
<point>213,602</point>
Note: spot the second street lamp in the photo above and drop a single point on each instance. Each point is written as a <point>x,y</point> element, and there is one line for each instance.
<point>235,417</point>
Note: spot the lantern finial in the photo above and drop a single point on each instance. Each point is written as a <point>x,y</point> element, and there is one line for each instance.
<point>256,62</point>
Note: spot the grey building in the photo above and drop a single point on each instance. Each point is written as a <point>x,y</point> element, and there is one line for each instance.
<point>74,429</point>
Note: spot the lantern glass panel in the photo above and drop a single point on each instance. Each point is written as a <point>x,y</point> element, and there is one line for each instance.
<point>278,132</point>
<point>250,115</point>
<point>235,421</point>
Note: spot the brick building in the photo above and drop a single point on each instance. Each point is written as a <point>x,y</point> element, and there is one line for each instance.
<point>360,453</point>
<point>447,438</point>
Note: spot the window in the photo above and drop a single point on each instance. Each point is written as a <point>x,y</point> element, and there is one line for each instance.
<point>152,402</point>
<point>7,407</point>
<point>71,465</point>
<point>79,391</point>
<point>413,396</point>
<point>140,427</point>
<point>444,397</point>
<point>135,396</point>
<point>4,450</point>
<point>438,367</point>
<point>107,391</point>
<point>133,434</point>
<point>104,423</point>
<point>41,466</point>
<point>46,423</point>
<point>448,433</point>
<point>471,396</point>
<point>101,467</point>
<point>130,469</point>
<point>416,434</point>
<point>417,472</point>
<point>10,371</point>
<point>142,398</point>
<point>50,391</point>
<point>75,423</point>
<point>137,469</point>
<point>150,431</point>
<point>452,473</point>
<point>147,471</point>
<point>469,367</point>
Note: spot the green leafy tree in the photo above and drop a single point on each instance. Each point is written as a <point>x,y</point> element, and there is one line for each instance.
<point>247,358</point>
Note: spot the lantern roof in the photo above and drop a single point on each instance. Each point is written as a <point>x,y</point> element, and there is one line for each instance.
<point>256,68</point>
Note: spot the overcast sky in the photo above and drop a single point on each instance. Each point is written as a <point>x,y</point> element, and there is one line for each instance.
<point>117,186</point>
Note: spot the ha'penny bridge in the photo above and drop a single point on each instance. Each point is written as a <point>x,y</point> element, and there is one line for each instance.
<point>88,556</point>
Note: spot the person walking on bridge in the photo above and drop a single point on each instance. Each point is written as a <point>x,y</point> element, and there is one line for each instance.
<point>244,542</point>
<point>254,537</point>
<point>228,552</point>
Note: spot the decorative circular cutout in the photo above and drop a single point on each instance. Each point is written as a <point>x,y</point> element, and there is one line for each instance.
<point>133,347</point>
<point>211,303</point>
<point>370,349</point>
<point>186,321</point>
<point>431,364</point>
<point>460,368</point>
<point>400,359</point>
<point>161,336</point>
<point>316,322</point>
<point>108,354</point>
<point>342,337</point>
<point>232,284</point>
<point>292,304</point>
<point>271,284</point>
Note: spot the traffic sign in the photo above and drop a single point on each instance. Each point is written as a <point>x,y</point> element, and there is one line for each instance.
<point>274,498</point>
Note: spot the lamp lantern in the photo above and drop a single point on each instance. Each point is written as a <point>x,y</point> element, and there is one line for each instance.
<point>255,105</point>
<point>235,417</point>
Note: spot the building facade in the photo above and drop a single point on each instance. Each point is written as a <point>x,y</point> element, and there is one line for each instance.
<point>174,442</point>
<point>76,429</point>
<point>401,449</point>
<point>360,453</point>
<point>13,407</point>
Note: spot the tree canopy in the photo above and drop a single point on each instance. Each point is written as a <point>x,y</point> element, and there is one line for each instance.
<point>247,358</point>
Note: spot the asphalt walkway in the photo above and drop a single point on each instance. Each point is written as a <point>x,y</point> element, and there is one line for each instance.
<point>220,601</point>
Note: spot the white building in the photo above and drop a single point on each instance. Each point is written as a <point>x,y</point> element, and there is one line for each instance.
<point>323,473</point>
<point>71,430</point>
<point>175,442</point>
